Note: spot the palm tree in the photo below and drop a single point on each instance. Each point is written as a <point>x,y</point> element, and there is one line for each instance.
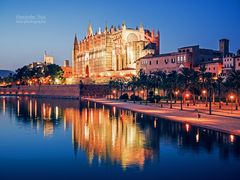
<point>162,79</point>
<point>219,82</point>
<point>144,83</point>
<point>120,84</point>
<point>133,84</point>
<point>210,84</point>
<point>171,85</point>
<point>185,79</point>
<point>234,79</point>
<point>194,87</point>
<point>181,88</point>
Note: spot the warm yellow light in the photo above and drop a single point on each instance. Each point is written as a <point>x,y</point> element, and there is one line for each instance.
<point>176,92</point>
<point>187,95</point>
<point>204,91</point>
<point>232,97</point>
<point>155,123</point>
<point>197,137</point>
<point>57,81</point>
<point>231,138</point>
<point>141,91</point>
<point>114,91</point>
<point>187,127</point>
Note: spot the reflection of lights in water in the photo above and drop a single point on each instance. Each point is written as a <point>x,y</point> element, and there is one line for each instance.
<point>187,127</point>
<point>30,108</point>
<point>18,107</point>
<point>38,125</point>
<point>95,105</point>
<point>141,115</point>
<point>44,110</point>
<point>4,105</point>
<point>49,112</point>
<point>91,116</point>
<point>35,108</point>
<point>155,123</point>
<point>48,128</point>
<point>231,138</point>
<point>119,141</point>
<point>197,137</point>
<point>56,109</point>
<point>86,132</point>
<point>114,110</point>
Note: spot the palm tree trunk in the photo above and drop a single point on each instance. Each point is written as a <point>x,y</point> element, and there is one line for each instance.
<point>194,99</point>
<point>181,102</point>
<point>171,100</point>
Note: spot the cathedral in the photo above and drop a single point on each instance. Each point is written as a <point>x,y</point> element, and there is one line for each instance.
<point>112,52</point>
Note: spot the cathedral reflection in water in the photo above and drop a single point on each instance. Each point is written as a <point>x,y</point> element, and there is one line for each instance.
<point>110,135</point>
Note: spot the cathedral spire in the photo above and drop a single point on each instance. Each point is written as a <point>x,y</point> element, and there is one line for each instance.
<point>124,25</point>
<point>158,33</point>
<point>75,39</point>
<point>141,27</point>
<point>90,31</point>
<point>106,27</point>
<point>75,45</point>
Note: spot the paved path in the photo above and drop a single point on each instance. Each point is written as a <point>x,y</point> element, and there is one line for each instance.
<point>216,122</point>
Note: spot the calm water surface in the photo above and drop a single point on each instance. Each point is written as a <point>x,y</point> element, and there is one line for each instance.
<point>63,139</point>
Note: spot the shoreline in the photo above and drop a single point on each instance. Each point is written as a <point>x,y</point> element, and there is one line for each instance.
<point>223,124</point>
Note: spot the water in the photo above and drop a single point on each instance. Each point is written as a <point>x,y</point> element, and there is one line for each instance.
<point>61,139</point>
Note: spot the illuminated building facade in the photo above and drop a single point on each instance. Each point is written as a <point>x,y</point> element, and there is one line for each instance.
<point>112,52</point>
<point>48,59</point>
<point>218,62</point>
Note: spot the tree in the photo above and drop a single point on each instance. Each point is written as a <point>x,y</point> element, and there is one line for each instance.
<point>54,71</point>
<point>234,80</point>
<point>219,89</point>
<point>181,88</point>
<point>133,84</point>
<point>23,74</point>
<point>161,78</point>
<point>143,82</point>
<point>194,86</point>
<point>210,84</point>
<point>171,85</point>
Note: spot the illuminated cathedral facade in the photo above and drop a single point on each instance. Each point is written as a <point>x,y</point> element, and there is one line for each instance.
<point>112,52</point>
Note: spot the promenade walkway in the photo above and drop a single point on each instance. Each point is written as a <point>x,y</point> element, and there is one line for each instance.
<point>217,121</point>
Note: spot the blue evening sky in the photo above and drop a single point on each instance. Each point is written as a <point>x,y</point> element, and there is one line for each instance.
<point>181,23</point>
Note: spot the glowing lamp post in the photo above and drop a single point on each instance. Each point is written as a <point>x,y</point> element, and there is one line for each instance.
<point>142,92</point>
<point>231,98</point>
<point>114,94</point>
<point>204,92</point>
<point>187,97</point>
<point>176,95</point>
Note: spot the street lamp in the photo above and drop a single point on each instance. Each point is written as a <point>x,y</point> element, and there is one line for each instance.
<point>142,92</point>
<point>205,95</point>
<point>187,96</point>
<point>232,98</point>
<point>176,95</point>
<point>114,94</point>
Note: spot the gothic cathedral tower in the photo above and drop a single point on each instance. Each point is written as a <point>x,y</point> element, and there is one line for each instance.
<point>74,55</point>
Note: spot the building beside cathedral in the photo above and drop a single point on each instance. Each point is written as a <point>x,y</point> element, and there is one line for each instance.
<point>48,59</point>
<point>112,52</point>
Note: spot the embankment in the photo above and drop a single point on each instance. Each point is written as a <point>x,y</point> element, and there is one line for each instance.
<point>56,91</point>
